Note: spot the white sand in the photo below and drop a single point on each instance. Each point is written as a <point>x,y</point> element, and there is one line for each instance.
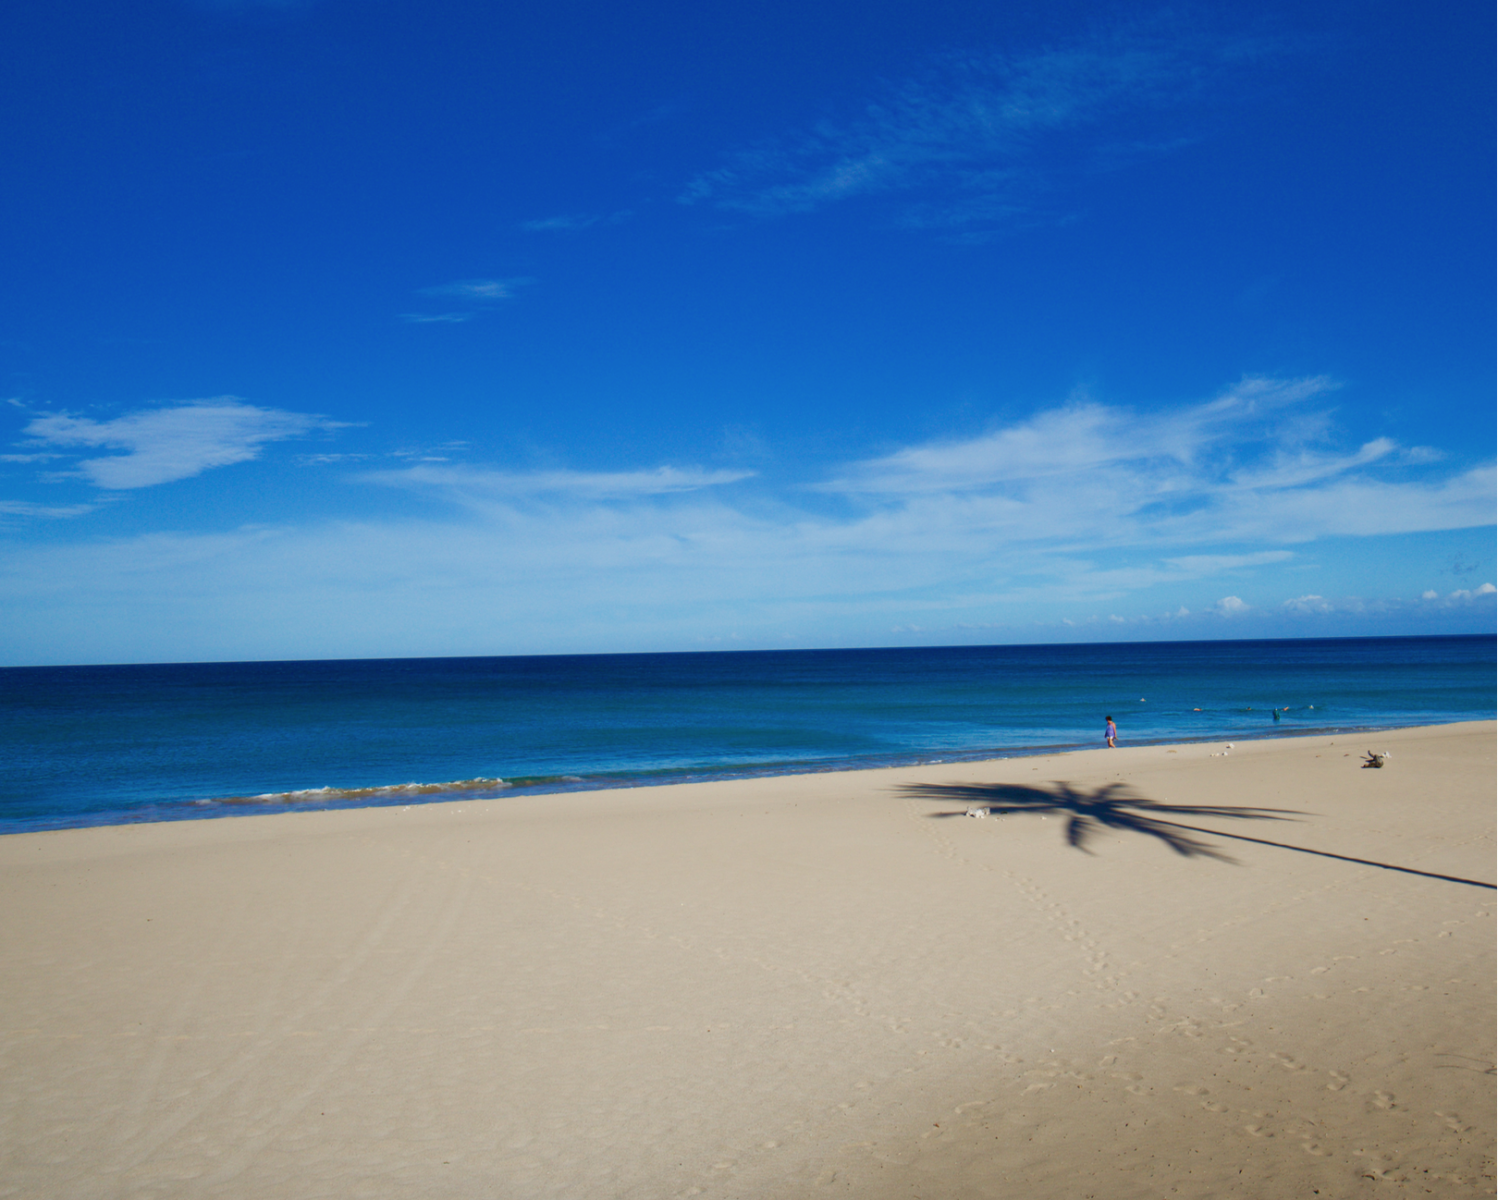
<point>789,987</point>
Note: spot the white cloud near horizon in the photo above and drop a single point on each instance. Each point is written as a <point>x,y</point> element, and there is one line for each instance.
<point>972,140</point>
<point>1084,437</point>
<point>1315,605</point>
<point>1211,564</point>
<point>1231,470</point>
<point>1206,512</point>
<point>597,579</point>
<point>1217,488</point>
<point>162,445</point>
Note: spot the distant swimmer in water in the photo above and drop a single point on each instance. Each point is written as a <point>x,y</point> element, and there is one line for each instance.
<point>1110,733</point>
<point>1276,713</point>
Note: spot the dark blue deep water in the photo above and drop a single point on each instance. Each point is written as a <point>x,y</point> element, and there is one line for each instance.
<point>105,745</point>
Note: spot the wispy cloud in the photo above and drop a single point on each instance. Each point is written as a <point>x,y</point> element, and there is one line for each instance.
<point>1183,520</point>
<point>1301,467</point>
<point>477,294</point>
<point>1219,488</point>
<point>575,222</point>
<point>1084,437</point>
<point>445,318</point>
<point>1091,475</point>
<point>476,485</point>
<point>566,223</point>
<point>1212,564</point>
<point>477,290</point>
<point>1085,502</point>
<point>165,444</point>
<point>22,508</point>
<point>976,138</point>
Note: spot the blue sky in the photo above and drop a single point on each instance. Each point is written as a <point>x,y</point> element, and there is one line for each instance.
<point>378,329</point>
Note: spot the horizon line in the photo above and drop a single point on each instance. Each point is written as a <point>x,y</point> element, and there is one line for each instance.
<point>225,662</point>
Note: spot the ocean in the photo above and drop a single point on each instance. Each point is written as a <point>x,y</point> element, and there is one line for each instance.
<point>109,745</point>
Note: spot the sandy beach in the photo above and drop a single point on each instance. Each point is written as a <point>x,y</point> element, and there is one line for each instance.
<point>1165,971</point>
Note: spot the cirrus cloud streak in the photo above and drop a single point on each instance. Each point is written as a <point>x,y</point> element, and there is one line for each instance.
<point>976,138</point>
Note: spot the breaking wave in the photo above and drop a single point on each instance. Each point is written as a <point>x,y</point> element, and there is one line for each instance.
<point>480,786</point>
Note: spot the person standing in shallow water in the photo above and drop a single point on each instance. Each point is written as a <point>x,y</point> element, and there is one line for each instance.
<point>1110,733</point>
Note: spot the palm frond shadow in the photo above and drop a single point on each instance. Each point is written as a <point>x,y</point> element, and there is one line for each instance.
<point>1112,806</point>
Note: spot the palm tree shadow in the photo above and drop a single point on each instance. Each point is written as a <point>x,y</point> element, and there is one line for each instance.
<point>1112,806</point>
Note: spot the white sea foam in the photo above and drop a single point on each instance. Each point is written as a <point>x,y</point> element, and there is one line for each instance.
<point>393,791</point>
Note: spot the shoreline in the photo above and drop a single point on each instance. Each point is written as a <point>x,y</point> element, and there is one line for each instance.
<point>401,795</point>
<point>1151,970</point>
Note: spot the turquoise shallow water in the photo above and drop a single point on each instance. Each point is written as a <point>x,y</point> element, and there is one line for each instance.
<point>105,745</point>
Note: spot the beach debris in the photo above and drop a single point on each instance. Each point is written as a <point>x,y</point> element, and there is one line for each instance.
<point>1376,759</point>
<point>977,812</point>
